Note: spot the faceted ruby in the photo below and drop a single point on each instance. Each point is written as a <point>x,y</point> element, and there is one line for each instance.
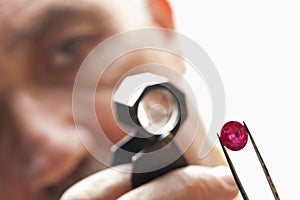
<point>234,136</point>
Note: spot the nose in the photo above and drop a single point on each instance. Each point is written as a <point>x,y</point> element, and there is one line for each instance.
<point>51,147</point>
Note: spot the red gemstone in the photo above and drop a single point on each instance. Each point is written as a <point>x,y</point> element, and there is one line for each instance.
<point>234,136</point>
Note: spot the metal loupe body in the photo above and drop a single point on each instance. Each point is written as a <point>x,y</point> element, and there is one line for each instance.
<point>153,109</point>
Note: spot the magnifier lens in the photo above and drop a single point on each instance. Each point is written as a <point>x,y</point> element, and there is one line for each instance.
<point>158,111</point>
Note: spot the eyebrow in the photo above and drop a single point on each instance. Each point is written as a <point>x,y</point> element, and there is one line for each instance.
<point>49,20</point>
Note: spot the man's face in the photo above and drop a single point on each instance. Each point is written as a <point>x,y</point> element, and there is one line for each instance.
<point>42,44</point>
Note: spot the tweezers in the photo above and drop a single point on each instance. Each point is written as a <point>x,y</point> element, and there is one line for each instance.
<point>264,167</point>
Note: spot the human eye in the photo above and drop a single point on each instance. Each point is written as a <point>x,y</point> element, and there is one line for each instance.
<point>57,60</point>
<point>65,41</point>
<point>68,54</point>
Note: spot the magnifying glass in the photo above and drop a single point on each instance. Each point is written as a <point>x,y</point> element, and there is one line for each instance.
<point>158,111</point>
<point>153,109</point>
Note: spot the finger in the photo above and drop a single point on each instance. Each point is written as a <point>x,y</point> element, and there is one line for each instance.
<point>107,184</point>
<point>192,182</point>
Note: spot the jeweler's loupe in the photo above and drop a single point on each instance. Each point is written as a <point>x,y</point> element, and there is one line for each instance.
<point>150,107</point>
<point>153,110</point>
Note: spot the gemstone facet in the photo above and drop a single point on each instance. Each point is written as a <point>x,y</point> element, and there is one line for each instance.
<point>234,136</point>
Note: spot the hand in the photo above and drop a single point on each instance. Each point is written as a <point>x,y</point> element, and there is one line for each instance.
<point>191,182</point>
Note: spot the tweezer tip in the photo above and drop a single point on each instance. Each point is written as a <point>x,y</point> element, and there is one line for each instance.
<point>263,165</point>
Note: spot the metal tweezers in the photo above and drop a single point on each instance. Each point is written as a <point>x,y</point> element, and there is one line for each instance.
<point>264,167</point>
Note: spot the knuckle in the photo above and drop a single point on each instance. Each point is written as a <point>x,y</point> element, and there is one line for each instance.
<point>191,181</point>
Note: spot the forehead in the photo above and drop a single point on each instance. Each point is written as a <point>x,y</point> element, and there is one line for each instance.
<point>18,11</point>
<point>17,16</point>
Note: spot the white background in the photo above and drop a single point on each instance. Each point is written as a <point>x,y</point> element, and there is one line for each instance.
<point>255,46</point>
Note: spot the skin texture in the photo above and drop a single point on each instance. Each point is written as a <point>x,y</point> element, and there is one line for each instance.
<point>192,182</point>
<point>42,45</point>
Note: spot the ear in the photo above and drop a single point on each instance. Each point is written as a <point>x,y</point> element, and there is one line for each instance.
<point>161,12</point>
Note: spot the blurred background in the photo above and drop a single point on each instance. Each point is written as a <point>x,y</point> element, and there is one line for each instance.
<point>255,46</point>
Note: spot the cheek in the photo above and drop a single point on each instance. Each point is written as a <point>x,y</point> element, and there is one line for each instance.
<point>2,79</point>
<point>105,114</point>
<point>136,59</point>
<point>33,106</point>
<point>14,65</point>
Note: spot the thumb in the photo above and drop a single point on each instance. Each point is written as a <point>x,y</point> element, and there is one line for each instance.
<point>191,182</point>
<point>107,184</point>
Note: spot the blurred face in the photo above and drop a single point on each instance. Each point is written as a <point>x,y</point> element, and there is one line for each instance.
<point>42,44</point>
